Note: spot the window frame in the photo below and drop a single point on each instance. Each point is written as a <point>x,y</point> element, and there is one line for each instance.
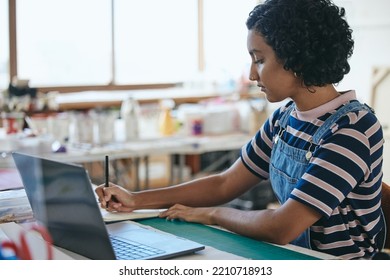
<point>111,86</point>
<point>13,70</point>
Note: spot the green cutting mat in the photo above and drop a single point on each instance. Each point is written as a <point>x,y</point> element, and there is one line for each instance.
<point>225,241</point>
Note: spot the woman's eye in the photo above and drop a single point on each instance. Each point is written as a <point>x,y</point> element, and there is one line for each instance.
<point>259,61</point>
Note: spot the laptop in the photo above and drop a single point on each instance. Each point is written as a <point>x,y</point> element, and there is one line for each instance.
<point>62,199</point>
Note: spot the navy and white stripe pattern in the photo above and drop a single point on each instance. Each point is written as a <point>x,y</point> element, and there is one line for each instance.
<point>342,181</point>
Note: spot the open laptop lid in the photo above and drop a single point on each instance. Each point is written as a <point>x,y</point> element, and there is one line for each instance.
<point>61,196</point>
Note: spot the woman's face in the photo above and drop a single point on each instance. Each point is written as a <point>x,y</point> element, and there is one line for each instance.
<point>277,83</point>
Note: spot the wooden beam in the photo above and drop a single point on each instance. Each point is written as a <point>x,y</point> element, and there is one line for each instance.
<point>13,63</point>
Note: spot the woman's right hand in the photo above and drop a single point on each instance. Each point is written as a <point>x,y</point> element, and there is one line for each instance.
<point>115,198</point>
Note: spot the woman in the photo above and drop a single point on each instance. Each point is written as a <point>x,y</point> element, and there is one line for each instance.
<point>322,151</point>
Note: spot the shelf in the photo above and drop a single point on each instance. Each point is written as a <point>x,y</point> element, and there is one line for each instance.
<point>94,99</point>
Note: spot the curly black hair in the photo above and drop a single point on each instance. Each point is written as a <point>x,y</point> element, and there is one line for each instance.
<point>310,37</point>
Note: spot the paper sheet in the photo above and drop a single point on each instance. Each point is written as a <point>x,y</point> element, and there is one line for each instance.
<point>10,179</point>
<point>136,214</point>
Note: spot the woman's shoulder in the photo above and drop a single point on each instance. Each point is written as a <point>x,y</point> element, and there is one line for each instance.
<point>359,121</point>
<point>359,114</point>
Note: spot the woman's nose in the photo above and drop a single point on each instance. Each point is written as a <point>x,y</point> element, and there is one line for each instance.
<point>253,76</point>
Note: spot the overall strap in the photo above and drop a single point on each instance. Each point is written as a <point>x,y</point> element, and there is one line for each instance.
<point>286,114</point>
<point>349,107</point>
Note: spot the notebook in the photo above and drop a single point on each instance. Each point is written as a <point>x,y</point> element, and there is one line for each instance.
<point>135,215</point>
<point>62,199</point>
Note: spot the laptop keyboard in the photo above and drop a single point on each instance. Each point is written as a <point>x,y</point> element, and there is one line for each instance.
<point>130,250</point>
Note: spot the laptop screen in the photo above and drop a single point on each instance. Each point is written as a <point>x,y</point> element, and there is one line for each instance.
<point>62,199</point>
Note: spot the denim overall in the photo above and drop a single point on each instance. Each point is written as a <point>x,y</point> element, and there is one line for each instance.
<point>288,163</point>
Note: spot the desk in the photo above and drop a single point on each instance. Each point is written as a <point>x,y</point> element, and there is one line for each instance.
<point>232,243</point>
<point>219,244</point>
<point>143,149</point>
<point>235,245</point>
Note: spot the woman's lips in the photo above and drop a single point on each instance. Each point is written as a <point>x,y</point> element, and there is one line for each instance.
<point>262,88</point>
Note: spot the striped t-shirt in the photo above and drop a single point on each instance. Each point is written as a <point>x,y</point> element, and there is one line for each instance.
<point>343,178</point>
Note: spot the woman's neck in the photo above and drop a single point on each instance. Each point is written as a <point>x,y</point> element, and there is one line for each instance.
<point>310,98</point>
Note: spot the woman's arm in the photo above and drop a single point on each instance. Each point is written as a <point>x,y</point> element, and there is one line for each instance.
<point>208,191</point>
<point>279,226</point>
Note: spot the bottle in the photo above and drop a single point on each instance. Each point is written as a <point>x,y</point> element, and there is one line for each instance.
<point>167,124</point>
<point>129,113</point>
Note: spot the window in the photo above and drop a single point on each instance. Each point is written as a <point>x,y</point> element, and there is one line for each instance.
<point>225,35</point>
<point>4,46</point>
<point>128,42</point>
<point>64,42</point>
<point>155,41</point>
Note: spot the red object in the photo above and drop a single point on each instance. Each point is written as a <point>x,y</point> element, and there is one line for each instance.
<point>11,125</point>
<point>22,251</point>
<point>13,122</point>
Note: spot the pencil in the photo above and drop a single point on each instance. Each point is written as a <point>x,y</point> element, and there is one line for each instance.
<point>106,175</point>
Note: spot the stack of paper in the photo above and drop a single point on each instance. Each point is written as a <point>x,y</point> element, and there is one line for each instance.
<point>10,179</point>
<point>14,206</point>
<point>136,214</point>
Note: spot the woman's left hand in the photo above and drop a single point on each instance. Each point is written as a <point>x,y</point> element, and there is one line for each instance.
<point>202,215</point>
